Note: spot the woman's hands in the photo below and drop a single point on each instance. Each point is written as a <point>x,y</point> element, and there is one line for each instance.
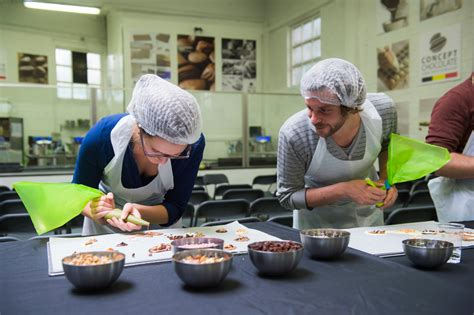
<point>101,206</point>
<point>128,208</point>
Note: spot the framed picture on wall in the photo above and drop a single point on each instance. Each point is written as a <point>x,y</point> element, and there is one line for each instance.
<point>150,54</point>
<point>433,8</point>
<point>440,54</point>
<point>391,15</point>
<point>196,63</point>
<point>32,68</point>
<point>393,66</point>
<point>239,67</point>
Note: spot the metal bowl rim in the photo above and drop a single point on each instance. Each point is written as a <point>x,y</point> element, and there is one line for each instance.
<point>344,233</point>
<point>407,243</point>
<point>198,251</point>
<point>94,253</point>
<point>267,251</point>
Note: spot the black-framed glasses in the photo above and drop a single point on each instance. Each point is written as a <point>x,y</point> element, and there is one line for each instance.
<point>184,155</point>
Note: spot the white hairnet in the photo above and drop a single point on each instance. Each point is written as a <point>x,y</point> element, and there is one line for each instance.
<point>334,81</point>
<point>165,110</point>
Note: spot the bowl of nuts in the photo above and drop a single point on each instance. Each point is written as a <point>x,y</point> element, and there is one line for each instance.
<point>202,268</point>
<point>93,270</point>
<point>275,258</point>
<point>325,243</point>
<point>196,243</point>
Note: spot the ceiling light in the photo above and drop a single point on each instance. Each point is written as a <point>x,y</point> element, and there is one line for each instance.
<point>61,7</point>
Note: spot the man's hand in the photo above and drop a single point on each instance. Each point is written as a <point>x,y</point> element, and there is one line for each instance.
<point>128,208</point>
<point>101,206</point>
<point>363,194</point>
<point>391,197</point>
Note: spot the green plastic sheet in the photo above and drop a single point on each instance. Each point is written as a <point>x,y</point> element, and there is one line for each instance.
<point>52,205</point>
<point>410,159</point>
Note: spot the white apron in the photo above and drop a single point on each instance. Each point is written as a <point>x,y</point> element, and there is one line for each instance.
<point>151,194</point>
<point>326,170</point>
<point>454,198</point>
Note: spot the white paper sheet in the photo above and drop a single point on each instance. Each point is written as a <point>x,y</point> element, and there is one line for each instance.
<point>58,248</point>
<point>390,244</point>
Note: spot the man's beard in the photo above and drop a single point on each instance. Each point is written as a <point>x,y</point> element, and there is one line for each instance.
<point>332,129</point>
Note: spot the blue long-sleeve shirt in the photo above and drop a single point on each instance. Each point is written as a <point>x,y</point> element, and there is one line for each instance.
<point>96,152</point>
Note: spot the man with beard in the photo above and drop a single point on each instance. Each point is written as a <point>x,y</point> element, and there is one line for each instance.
<point>326,151</point>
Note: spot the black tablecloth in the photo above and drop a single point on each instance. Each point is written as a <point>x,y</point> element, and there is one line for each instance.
<point>357,283</point>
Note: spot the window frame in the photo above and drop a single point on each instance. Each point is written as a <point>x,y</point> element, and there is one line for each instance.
<point>302,63</point>
<point>73,87</point>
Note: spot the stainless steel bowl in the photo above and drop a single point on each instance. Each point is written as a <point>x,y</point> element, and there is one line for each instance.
<point>428,253</point>
<point>202,275</point>
<point>325,243</point>
<point>212,242</point>
<point>275,263</point>
<point>94,277</point>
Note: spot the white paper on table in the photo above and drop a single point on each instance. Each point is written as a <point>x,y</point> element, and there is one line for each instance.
<point>390,244</point>
<point>58,247</point>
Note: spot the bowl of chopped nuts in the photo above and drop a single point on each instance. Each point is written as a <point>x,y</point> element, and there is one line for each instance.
<point>201,268</point>
<point>197,243</point>
<point>325,243</point>
<point>93,270</point>
<point>275,258</point>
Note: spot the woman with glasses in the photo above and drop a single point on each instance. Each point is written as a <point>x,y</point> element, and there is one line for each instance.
<point>145,161</point>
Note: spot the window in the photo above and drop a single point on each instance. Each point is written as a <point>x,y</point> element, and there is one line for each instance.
<point>75,72</point>
<point>305,49</point>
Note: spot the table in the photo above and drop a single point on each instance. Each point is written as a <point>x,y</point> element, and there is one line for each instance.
<point>357,283</point>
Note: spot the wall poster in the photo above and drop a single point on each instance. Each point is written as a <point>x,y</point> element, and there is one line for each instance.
<point>150,53</point>
<point>196,63</point>
<point>393,66</point>
<point>239,67</point>
<point>32,68</point>
<point>440,54</point>
<point>432,8</point>
<point>391,15</point>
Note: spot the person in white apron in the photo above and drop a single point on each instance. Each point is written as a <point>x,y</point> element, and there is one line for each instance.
<point>335,193</point>
<point>164,121</point>
<point>451,126</point>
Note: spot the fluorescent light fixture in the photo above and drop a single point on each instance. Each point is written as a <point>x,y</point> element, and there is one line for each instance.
<point>61,7</point>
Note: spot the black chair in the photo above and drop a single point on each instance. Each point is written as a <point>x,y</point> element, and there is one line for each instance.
<point>241,220</point>
<point>222,188</point>
<point>402,199</point>
<point>419,198</point>
<point>265,180</point>
<point>4,239</point>
<point>17,225</point>
<point>4,188</point>
<point>12,207</point>
<point>248,194</point>
<point>199,188</point>
<point>214,179</point>
<point>405,185</point>
<point>214,210</point>
<point>286,220</point>
<point>198,197</point>
<point>264,208</point>
<point>419,186</point>
<point>188,215</point>
<point>412,214</point>
<point>199,181</point>
<point>9,195</point>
